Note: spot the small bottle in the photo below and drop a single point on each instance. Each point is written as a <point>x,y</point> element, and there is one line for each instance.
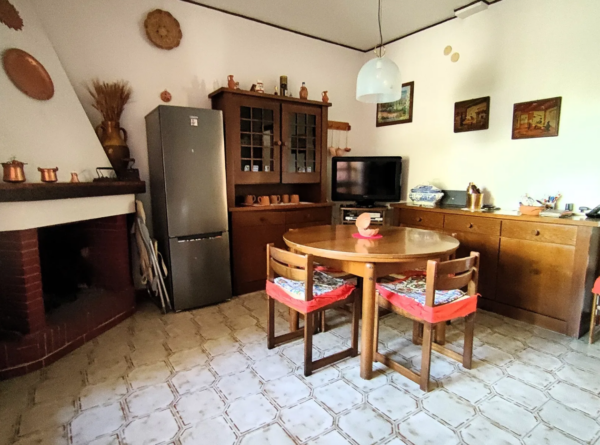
<point>303,92</point>
<point>275,93</point>
<point>283,80</point>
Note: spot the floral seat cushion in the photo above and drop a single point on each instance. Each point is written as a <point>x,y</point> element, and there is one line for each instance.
<point>408,293</point>
<point>326,290</point>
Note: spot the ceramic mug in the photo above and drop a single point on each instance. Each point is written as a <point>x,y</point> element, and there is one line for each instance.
<point>264,201</point>
<point>285,199</point>
<point>250,199</point>
<point>275,199</point>
<point>295,199</point>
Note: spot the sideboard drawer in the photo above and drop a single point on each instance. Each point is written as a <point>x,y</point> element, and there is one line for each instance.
<point>257,218</point>
<point>421,218</point>
<point>545,233</point>
<point>485,226</point>
<point>308,215</point>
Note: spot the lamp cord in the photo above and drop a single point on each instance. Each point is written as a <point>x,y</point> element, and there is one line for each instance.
<point>379,20</point>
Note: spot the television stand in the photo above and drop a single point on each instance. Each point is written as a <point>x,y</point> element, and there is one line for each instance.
<point>348,214</point>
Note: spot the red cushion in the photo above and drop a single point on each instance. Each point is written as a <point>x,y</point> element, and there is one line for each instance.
<point>305,307</point>
<point>442,312</point>
<point>596,288</point>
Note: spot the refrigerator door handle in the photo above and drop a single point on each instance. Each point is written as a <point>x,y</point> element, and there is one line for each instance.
<point>204,236</point>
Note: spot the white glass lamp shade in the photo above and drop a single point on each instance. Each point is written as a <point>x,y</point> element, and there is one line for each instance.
<point>379,81</point>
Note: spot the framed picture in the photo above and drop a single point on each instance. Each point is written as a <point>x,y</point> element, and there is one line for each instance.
<point>472,115</point>
<point>536,119</point>
<point>399,112</point>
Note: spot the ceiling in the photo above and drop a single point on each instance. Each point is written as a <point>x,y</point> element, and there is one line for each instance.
<point>351,23</point>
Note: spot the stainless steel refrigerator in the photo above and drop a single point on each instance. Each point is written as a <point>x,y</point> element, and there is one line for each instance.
<point>186,158</point>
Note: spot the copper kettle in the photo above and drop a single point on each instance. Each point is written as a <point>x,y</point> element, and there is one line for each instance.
<point>48,174</point>
<point>13,171</point>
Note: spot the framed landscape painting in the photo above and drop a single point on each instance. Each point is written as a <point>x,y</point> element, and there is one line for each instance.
<point>536,119</point>
<point>399,112</point>
<point>472,115</point>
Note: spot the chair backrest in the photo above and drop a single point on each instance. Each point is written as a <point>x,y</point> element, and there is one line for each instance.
<point>453,274</point>
<point>292,266</point>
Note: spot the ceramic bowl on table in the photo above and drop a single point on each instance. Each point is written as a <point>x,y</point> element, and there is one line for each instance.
<point>425,195</point>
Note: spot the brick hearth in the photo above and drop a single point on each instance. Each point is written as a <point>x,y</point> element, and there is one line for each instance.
<point>30,339</point>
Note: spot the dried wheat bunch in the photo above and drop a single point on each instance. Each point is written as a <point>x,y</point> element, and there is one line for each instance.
<point>110,98</point>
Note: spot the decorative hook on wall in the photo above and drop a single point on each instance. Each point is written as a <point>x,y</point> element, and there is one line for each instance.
<point>336,129</point>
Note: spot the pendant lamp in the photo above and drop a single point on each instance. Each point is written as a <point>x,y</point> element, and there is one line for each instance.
<point>379,79</point>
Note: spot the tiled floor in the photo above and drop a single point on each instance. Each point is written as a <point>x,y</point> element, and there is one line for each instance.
<point>206,377</point>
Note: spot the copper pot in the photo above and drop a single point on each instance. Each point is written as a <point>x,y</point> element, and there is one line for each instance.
<point>48,174</point>
<point>13,171</point>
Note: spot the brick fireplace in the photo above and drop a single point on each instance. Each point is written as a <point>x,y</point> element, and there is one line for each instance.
<point>35,332</point>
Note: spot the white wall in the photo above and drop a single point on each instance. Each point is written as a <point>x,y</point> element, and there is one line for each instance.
<point>53,133</point>
<point>516,51</point>
<point>106,39</point>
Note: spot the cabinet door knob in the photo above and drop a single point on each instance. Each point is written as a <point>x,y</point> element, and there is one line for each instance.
<point>536,233</point>
<point>470,225</point>
<point>419,219</point>
<point>277,142</point>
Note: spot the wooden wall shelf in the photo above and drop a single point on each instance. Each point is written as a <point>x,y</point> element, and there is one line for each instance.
<point>40,191</point>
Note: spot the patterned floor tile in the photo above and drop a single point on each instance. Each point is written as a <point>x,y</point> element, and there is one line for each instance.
<point>239,385</point>
<point>392,402</point>
<point>365,425</point>
<point>509,415</point>
<point>338,396</point>
<point>482,431</point>
<point>156,428</point>
<point>210,431</point>
<point>570,421</point>
<point>448,407</point>
<point>269,435</point>
<point>198,406</point>
<point>251,412</point>
<point>206,376</point>
<point>149,399</point>
<point>287,390</point>
<point>306,420</point>
<point>422,429</point>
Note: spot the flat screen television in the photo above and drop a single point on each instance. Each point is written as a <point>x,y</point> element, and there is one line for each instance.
<point>366,179</point>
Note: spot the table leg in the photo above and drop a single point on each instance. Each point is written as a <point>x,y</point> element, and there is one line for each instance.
<point>368,322</point>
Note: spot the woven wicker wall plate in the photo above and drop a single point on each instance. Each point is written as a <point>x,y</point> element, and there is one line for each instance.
<point>163,29</point>
<point>10,16</point>
<point>28,74</point>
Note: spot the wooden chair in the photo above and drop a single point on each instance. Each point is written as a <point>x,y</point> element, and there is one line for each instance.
<point>452,275</point>
<point>595,309</point>
<point>299,269</point>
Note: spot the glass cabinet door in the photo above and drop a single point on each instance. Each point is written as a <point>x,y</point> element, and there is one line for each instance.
<point>301,148</point>
<point>259,142</point>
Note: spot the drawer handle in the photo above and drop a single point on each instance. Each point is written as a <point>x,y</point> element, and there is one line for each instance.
<point>470,225</point>
<point>536,232</point>
<point>419,219</point>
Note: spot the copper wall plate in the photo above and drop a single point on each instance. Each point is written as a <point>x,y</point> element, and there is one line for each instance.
<point>10,16</point>
<point>163,29</point>
<point>28,74</point>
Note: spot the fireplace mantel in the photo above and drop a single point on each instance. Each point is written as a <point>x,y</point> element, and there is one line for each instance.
<point>40,191</point>
<point>34,205</point>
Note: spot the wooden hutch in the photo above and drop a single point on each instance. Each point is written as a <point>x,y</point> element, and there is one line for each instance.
<point>274,145</point>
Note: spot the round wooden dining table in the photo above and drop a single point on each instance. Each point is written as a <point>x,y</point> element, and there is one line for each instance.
<point>399,249</point>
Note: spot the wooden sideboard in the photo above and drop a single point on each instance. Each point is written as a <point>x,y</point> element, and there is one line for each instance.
<point>252,228</point>
<point>534,269</point>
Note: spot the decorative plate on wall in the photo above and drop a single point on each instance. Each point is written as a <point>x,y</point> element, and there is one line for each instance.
<point>28,74</point>
<point>163,29</point>
<point>10,16</point>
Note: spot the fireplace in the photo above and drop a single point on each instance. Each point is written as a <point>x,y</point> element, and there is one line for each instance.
<point>61,286</point>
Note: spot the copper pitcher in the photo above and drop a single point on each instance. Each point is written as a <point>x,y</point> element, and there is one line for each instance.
<point>13,171</point>
<point>48,174</point>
